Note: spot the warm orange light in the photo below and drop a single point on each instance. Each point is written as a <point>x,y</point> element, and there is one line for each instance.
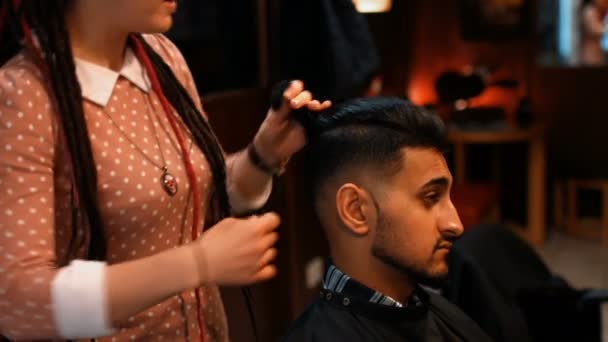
<point>420,91</point>
<point>373,6</point>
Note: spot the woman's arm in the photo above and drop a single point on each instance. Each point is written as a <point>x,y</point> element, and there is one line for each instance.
<point>233,252</point>
<point>277,139</point>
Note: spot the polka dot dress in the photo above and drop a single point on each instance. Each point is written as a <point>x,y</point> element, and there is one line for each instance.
<point>131,140</point>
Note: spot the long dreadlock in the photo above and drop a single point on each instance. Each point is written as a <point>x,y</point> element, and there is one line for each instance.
<point>202,133</point>
<point>46,18</point>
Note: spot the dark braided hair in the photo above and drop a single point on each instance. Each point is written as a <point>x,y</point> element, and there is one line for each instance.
<point>46,18</point>
<point>201,131</point>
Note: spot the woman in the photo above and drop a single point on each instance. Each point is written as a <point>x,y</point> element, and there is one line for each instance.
<point>107,169</point>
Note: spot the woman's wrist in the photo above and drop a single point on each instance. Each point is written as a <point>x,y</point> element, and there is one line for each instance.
<point>262,161</point>
<point>199,261</point>
<point>192,274</point>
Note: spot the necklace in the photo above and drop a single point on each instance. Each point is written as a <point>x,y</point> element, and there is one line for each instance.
<point>168,182</point>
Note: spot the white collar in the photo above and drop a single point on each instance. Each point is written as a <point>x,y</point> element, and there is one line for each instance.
<point>97,82</point>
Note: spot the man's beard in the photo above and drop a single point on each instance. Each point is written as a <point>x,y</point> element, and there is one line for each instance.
<point>415,272</point>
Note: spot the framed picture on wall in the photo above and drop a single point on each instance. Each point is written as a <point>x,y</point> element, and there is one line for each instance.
<point>492,20</point>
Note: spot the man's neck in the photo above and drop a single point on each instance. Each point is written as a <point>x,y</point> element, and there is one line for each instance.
<point>376,275</point>
<point>93,41</point>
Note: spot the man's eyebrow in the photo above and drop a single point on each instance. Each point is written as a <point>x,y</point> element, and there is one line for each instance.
<point>439,181</point>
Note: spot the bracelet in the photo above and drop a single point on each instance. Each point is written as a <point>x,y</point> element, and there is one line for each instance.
<point>255,159</point>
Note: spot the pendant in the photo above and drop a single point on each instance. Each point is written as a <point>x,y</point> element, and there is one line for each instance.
<point>168,182</point>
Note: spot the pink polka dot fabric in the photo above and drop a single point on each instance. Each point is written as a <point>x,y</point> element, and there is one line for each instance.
<point>140,219</point>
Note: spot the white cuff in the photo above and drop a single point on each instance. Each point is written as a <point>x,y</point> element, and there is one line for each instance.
<point>80,308</point>
<point>240,204</point>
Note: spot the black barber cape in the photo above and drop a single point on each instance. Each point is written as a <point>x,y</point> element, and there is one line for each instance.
<point>343,317</point>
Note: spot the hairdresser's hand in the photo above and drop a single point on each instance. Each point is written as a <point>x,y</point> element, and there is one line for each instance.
<point>280,136</point>
<point>237,251</point>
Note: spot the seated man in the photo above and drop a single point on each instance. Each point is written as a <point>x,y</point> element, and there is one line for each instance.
<point>382,193</point>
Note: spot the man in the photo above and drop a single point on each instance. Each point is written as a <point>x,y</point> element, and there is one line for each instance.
<point>382,194</point>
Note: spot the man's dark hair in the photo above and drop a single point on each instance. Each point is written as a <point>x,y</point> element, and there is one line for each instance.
<point>367,132</point>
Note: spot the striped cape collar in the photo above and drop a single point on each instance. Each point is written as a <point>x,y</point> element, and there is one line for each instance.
<point>337,281</point>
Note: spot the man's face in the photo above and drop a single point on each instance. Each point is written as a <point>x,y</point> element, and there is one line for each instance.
<point>416,221</point>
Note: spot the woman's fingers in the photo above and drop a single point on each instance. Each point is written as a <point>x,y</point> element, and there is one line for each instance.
<point>267,257</point>
<point>265,273</point>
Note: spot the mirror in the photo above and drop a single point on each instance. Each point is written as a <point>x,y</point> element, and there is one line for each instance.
<point>572,32</point>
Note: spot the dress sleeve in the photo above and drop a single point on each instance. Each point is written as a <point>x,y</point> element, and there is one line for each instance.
<point>33,290</point>
<point>174,58</point>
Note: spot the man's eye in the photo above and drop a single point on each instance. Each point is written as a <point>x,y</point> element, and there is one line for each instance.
<point>431,198</point>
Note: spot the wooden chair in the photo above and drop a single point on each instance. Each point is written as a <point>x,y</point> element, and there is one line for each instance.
<point>566,214</point>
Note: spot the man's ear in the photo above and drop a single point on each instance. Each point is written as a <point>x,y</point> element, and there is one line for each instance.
<point>355,208</point>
